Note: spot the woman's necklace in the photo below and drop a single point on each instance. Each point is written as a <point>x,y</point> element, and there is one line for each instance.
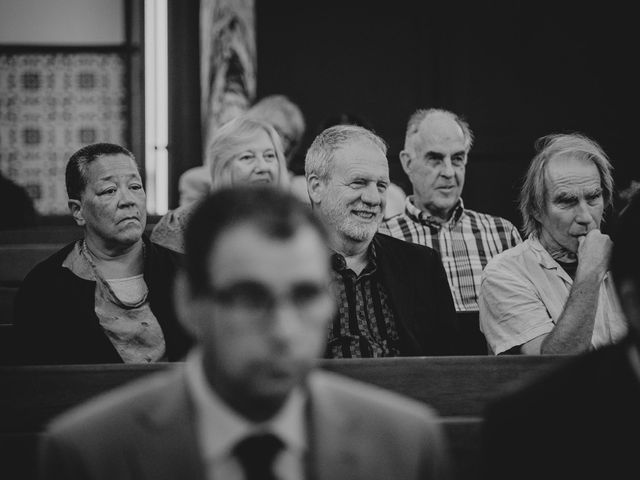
<point>89,256</point>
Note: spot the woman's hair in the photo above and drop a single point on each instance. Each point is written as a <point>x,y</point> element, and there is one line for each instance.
<point>533,198</point>
<point>76,171</point>
<point>230,140</point>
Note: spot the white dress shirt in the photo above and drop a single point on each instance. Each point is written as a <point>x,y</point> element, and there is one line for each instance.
<point>220,428</point>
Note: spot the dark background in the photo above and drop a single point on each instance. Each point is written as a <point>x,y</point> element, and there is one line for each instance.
<point>515,70</point>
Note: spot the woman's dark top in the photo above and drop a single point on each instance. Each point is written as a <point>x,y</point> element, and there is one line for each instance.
<point>55,317</point>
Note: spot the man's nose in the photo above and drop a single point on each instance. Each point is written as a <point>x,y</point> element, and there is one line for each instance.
<point>447,168</point>
<point>285,319</point>
<point>583,213</point>
<point>126,197</point>
<point>372,195</point>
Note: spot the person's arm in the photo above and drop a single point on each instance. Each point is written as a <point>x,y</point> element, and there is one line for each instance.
<point>574,327</point>
<point>512,311</point>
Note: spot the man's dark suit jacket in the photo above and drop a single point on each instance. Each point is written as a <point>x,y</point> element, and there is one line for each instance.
<point>416,283</point>
<point>582,420</point>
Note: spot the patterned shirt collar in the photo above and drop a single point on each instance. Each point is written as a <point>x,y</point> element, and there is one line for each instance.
<point>426,218</point>
<point>339,264</point>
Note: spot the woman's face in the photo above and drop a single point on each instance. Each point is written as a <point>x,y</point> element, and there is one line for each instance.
<point>112,207</point>
<point>256,162</point>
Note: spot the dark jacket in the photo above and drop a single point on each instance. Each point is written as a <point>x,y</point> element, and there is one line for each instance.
<point>579,420</point>
<point>416,282</point>
<point>55,319</point>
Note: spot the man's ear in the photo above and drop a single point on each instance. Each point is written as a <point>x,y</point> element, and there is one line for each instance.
<point>316,188</point>
<point>185,305</point>
<point>405,160</point>
<point>75,207</point>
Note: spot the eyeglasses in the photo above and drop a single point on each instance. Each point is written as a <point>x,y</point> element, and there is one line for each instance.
<point>256,300</point>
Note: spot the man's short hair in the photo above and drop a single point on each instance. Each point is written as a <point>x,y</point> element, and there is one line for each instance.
<point>275,212</point>
<point>533,198</point>
<point>413,126</point>
<point>320,155</point>
<point>76,171</point>
<point>625,260</point>
<point>230,139</point>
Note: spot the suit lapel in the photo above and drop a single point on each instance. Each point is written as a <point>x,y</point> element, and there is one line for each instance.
<point>335,442</point>
<point>170,448</point>
<point>392,270</point>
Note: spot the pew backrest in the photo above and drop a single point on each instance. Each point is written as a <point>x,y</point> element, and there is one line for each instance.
<point>457,387</point>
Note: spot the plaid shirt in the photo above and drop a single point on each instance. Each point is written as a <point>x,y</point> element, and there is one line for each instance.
<point>365,324</point>
<point>466,243</point>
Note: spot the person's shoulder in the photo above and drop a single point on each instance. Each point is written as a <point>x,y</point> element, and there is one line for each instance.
<point>115,408</point>
<point>194,184</point>
<point>161,253</point>
<point>397,245</point>
<point>571,385</point>
<point>392,223</point>
<point>355,397</point>
<point>515,256</point>
<point>488,217</point>
<point>169,231</point>
<point>48,266</point>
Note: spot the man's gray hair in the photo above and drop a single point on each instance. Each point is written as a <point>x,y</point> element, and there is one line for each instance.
<point>413,126</point>
<point>533,195</point>
<point>320,155</point>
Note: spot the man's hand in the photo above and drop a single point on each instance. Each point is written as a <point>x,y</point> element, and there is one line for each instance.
<point>594,251</point>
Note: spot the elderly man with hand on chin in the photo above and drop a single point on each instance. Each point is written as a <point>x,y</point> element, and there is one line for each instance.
<point>552,294</point>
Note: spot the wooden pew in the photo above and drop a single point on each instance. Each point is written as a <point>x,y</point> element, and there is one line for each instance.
<point>59,234</point>
<point>457,387</point>
<point>7,295</point>
<point>18,260</point>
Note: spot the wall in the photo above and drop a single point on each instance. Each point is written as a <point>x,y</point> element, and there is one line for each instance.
<point>62,22</point>
<point>63,84</point>
<point>516,69</point>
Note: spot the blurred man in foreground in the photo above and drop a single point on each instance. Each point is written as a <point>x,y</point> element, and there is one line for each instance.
<point>249,403</point>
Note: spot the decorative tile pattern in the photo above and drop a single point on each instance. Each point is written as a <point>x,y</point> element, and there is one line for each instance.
<point>51,104</point>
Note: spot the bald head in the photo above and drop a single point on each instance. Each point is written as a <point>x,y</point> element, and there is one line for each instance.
<point>435,157</point>
<point>436,123</point>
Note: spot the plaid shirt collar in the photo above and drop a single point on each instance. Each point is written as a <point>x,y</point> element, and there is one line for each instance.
<point>425,218</point>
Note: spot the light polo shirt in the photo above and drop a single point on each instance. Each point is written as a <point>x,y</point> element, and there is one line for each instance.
<point>523,292</point>
<point>219,429</point>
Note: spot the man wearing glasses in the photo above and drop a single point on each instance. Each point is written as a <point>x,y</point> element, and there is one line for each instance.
<point>249,402</point>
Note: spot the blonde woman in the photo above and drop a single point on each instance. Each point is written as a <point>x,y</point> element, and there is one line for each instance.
<point>243,151</point>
